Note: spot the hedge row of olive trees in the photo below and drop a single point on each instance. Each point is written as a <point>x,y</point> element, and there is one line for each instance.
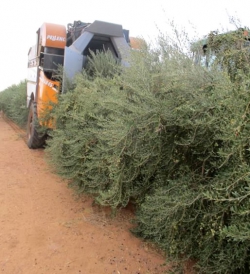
<point>13,103</point>
<point>171,137</point>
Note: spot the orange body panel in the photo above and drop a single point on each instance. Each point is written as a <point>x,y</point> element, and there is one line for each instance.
<point>52,35</point>
<point>46,96</point>
<point>137,43</point>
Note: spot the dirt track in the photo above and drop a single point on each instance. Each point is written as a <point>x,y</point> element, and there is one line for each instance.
<point>45,229</point>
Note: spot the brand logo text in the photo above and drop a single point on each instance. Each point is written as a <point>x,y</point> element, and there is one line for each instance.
<point>56,38</point>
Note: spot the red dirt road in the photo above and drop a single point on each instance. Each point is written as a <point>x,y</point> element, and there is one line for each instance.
<point>45,229</point>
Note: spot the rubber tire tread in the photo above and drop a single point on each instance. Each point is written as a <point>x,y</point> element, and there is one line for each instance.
<point>34,139</point>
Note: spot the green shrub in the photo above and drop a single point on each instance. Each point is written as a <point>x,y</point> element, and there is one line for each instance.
<point>173,138</point>
<point>201,208</point>
<point>13,103</point>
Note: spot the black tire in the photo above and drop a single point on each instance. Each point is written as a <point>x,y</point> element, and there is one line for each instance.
<point>34,139</point>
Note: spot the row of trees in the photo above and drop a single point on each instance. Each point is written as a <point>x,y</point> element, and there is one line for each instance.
<point>13,103</point>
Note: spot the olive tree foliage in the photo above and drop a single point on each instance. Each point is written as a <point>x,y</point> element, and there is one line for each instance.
<point>171,137</point>
<point>13,103</point>
<point>109,136</point>
<point>201,210</point>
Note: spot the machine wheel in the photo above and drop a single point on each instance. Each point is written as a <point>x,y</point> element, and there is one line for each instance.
<point>34,139</point>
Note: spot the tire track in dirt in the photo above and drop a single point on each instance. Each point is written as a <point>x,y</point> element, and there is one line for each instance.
<point>46,229</point>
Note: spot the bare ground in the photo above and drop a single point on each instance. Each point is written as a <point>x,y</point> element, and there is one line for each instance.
<point>44,228</point>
